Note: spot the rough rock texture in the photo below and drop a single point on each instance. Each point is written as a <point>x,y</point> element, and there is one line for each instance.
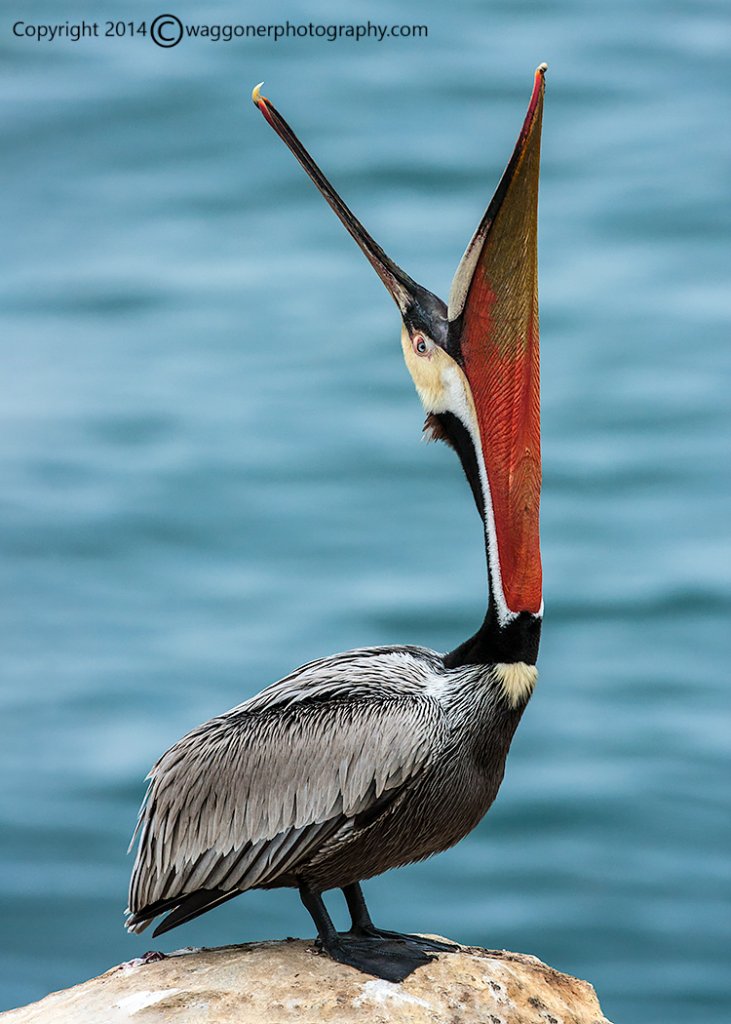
<point>278,982</point>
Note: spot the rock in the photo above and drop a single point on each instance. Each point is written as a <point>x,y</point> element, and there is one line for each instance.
<point>287,982</point>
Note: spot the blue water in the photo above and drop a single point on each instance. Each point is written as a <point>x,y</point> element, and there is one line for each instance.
<point>212,469</point>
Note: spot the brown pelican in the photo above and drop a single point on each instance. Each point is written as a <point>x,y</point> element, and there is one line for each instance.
<point>379,757</point>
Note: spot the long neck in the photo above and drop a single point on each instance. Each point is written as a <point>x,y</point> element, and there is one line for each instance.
<point>494,642</point>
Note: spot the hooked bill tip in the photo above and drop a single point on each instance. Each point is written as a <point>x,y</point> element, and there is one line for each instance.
<point>540,70</point>
<point>256,95</point>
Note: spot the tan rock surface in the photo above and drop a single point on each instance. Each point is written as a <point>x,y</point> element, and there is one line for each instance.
<point>287,982</point>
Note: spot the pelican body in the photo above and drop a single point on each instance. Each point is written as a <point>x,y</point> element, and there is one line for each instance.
<point>382,756</point>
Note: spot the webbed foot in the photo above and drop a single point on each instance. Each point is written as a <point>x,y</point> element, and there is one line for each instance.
<point>417,941</point>
<point>392,959</point>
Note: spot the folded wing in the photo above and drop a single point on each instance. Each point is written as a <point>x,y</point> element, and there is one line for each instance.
<point>246,798</point>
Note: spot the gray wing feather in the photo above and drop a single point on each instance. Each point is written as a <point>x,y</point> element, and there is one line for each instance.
<point>244,798</point>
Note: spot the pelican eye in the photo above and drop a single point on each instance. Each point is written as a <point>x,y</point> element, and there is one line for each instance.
<point>420,346</point>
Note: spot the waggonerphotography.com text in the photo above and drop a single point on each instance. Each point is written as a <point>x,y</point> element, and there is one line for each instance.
<point>167,31</point>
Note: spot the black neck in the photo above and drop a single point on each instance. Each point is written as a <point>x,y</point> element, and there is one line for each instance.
<point>493,642</point>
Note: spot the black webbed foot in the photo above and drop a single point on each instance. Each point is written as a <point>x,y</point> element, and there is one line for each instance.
<point>387,955</point>
<point>416,941</point>
<point>389,958</point>
<point>363,927</point>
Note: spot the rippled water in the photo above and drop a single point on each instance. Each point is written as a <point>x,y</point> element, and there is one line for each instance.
<point>212,469</point>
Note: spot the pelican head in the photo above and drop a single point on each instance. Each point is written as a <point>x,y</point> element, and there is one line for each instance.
<point>475,362</point>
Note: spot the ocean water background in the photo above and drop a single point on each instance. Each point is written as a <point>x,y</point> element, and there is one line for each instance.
<point>212,469</point>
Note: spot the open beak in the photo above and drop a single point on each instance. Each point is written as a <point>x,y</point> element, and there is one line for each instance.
<point>491,329</point>
<point>401,287</point>
<point>493,332</point>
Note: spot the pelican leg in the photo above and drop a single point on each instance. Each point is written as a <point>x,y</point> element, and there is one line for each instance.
<point>363,926</point>
<point>390,958</point>
<point>361,923</point>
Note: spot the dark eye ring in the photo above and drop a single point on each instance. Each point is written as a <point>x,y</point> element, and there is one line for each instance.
<point>420,345</point>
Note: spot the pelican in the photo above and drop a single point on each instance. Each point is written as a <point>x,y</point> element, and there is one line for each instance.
<point>383,756</point>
